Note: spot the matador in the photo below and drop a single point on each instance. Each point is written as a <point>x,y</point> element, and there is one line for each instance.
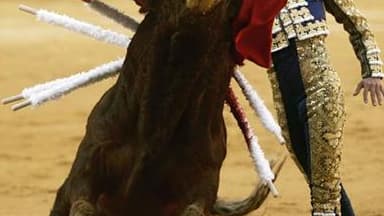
<point>308,97</point>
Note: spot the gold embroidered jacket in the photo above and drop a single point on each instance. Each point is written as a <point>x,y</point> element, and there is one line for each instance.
<point>303,19</point>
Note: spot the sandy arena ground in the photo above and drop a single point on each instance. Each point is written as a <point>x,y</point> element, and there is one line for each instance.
<point>38,146</point>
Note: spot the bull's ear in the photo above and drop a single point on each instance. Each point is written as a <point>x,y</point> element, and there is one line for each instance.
<point>201,5</point>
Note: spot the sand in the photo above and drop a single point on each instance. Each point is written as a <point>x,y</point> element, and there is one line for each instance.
<point>37,146</point>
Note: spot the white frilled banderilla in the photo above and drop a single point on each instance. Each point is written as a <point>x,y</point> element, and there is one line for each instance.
<point>41,93</point>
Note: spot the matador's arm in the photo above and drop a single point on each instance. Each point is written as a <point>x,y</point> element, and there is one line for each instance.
<point>361,36</point>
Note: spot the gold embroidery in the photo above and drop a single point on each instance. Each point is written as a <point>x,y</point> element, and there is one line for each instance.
<point>326,116</point>
<point>376,70</point>
<point>279,41</point>
<point>285,18</point>
<point>290,31</point>
<point>296,3</point>
<point>299,15</point>
<point>296,21</point>
<point>299,31</point>
<point>361,36</point>
<point>276,26</point>
<point>311,29</point>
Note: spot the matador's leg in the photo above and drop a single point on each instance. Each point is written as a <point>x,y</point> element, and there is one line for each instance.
<point>309,103</point>
<point>326,116</point>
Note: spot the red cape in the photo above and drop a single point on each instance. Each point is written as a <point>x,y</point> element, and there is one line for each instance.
<point>253,30</point>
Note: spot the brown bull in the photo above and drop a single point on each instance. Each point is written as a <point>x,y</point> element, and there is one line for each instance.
<point>156,140</point>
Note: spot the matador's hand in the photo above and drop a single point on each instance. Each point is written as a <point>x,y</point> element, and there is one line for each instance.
<point>374,87</point>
